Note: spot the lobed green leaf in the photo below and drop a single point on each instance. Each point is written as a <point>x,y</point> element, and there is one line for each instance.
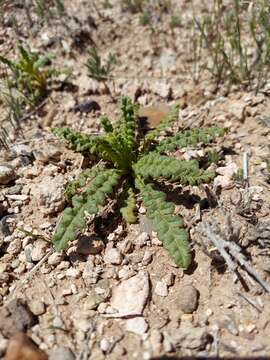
<point>168,226</point>
<point>83,178</point>
<point>190,138</point>
<point>155,165</point>
<point>76,140</point>
<point>94,197</point>
<point>128,210</point>
<point>163,125</point>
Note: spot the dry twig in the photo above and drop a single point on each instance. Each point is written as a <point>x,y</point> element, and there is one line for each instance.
<point>232,254</point>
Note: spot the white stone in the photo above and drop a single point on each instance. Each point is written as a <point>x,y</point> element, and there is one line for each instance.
<point>147,257</point>
<point>161,288</point>
<point>61,353</point>
<point>57,322</point>
<point>39,250</point>
<point>142,210</point>
<point>113,256</point>
<point>105,345</point>
<point>126,273</point>
<point>83,324</point>
<point>237,109</point>
<point>72,272</point>
<point>130,297</point>
<point>14,247</point>
<point>228,170</point>
<point>37,307</point>
<point>155,241</point>
<point>137,325</point>
<point>142,239</point>
<point>222,181</point>
<point>74,289</point>
<point>49,193</point>
<point>55,258</point>
<point>111,236</point>
<point>169,278</point>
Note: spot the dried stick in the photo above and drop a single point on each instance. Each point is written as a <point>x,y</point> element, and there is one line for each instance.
<point>231,252</point>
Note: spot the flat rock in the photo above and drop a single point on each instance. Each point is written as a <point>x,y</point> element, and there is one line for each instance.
<point>15,317</point>
<point>137,325</point>
<point>21,347</point>
<point>130,297</point>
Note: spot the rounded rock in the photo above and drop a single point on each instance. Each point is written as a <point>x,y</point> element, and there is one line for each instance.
<point>113,256</point>
<point>37,307</point>
<point>55,258</point>
<point>39,250</point>
<point>14,247</point>
<point>188,299</point>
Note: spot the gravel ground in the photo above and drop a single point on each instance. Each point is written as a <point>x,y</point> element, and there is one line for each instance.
<point>115,293</point>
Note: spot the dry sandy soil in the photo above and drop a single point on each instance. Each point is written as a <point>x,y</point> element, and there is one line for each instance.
<point>81,304</point>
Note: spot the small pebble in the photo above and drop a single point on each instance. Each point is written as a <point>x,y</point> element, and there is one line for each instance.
<point>39,250</point>
<point>161,289</point>
<point>55,258</point>
<point>72,272</point>
<point>105,345</point>
<point>137,325</point>
<point>37,307</point>
<point>147,257</point>
<point>57,322</point>
<point>142,210</point>
<point>188,299</point>
<point>14,247</point>
<point>113,256</point>
<point>142,239</point>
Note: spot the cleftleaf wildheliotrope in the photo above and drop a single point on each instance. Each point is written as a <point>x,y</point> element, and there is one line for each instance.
<point>134,162</point>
